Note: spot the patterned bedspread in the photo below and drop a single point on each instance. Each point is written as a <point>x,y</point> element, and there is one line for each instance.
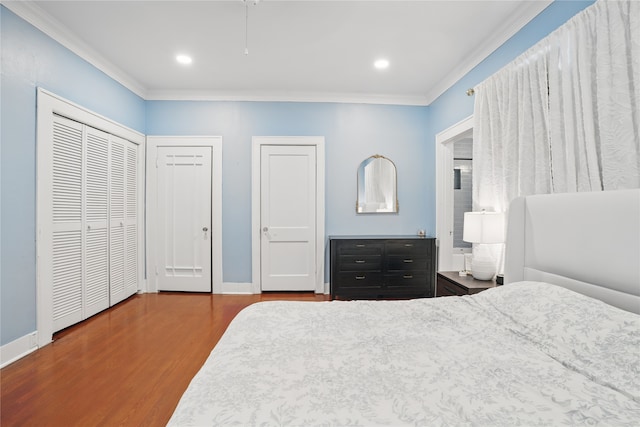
<point>529,354</point>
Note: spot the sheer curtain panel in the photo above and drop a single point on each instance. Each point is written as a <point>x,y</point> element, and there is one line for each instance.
<point>564,116</point>
<point>511,138</point>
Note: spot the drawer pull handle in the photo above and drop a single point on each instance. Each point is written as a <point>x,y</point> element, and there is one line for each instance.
<point>407,276</point>
<point>360,246</point>
<point>408,245</point>
<point>360,277</point>
<point>408,261</point>
<point>360,261</point>
<point>450,290</point>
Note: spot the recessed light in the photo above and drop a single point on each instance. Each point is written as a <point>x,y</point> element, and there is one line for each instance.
<point>381,64</point>
<point>184,59</point>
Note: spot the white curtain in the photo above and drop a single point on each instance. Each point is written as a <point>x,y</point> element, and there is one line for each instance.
<point>511,137</point>
<point>565,115</point>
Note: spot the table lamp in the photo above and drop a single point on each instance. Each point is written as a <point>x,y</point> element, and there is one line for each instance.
<point>483,228</point>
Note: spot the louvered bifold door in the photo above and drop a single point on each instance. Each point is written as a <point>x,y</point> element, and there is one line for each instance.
<point>131,220</point>
<point>67,226</point>
<point>117,197</point>
<point>96,274</point>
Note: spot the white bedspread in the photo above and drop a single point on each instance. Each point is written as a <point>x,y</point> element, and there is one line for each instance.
<point>523,354</point>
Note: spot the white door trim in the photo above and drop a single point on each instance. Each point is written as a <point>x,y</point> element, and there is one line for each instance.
<point>48,105</point>
<point>444,190</point>
<point>215,142</point>
<point>257,142</point>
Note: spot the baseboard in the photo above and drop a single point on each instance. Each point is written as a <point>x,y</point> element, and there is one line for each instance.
<point>237,288</point>
<point>18,348</point>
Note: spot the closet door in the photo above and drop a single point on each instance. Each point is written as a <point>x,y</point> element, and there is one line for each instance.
<point>94,241</point>
<point>116,219</point>
<point>96,275</point>
<point>123,248</point>
<point>67,222</point>
<point>131,220</point>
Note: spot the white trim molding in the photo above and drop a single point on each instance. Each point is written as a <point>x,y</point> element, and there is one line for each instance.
<point>18,348</point>
<point>286,96</point>
<point>36,16</point>
<point>257,143</point>
<point>33,14</point>
<point>49,104</point>
<point>499,36</point>
<point>444,192</point>
<point>237,288</point>
<point>215,142</point>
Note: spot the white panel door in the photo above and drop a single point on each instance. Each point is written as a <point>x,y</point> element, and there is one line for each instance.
<point>67,218</point>
<point>288,217</point>
<point>184,218</point>
<point>96,274</point>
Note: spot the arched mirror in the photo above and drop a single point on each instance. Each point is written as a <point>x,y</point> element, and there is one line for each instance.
<point>377,186</point>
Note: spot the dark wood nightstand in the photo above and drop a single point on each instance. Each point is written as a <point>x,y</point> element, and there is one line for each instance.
<point>451,283</point>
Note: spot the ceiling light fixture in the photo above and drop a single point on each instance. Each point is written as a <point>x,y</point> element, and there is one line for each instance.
<point>184,59</point>
<point>381,64</point>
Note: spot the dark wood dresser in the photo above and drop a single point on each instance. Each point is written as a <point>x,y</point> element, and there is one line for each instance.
<point>450,283</point>
<point>379,267</point>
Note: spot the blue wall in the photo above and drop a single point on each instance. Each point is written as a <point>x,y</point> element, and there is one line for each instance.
<point>352,132</point>
<point>454,105</point>
<point>30,59</point>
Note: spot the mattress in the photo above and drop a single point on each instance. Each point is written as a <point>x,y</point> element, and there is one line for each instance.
<point>527,353</point>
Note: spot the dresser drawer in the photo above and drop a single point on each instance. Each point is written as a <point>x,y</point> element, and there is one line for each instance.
<point>407,247</point>
<point>360,247</point>
<point>416,279</point>
<point>364,280</point>
<point>359,263</point>
<point>407,262</point>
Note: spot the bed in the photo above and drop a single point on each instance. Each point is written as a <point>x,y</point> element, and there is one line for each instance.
<point>558,344</point>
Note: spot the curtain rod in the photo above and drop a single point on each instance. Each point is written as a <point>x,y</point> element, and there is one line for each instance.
<point>471,92</point>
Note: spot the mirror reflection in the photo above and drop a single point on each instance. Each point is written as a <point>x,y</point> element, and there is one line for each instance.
<point>377,186</point>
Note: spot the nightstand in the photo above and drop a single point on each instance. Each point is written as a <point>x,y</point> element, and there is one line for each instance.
<point>451,283</point>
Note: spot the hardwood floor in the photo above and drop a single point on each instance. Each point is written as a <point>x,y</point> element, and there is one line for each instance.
<point>127,366</point>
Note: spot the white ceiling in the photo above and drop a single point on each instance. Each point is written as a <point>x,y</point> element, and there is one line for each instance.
<point>298,50</point>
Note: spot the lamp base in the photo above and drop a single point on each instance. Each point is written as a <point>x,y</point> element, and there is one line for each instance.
<point>483,268</point>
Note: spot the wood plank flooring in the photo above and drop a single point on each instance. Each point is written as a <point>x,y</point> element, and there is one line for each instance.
<point>127,366</point>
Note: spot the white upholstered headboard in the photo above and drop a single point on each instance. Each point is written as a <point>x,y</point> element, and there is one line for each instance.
<point>586,242</point>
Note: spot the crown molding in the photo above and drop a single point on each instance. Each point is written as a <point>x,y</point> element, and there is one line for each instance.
<point>347,98</point>
<point>490,45</point>
<point>33,14</point>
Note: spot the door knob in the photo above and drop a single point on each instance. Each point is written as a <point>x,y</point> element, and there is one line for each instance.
<point>205,229</point>
<point>265,229</point>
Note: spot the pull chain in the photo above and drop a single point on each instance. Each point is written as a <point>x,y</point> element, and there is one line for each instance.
<point>246,27</point>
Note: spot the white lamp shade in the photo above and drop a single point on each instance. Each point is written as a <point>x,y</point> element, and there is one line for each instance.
<point>483,227</point>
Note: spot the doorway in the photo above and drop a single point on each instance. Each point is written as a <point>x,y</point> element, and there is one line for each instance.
<point>451,144</point>
<point>184,177</point>
<point>288,214</point>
